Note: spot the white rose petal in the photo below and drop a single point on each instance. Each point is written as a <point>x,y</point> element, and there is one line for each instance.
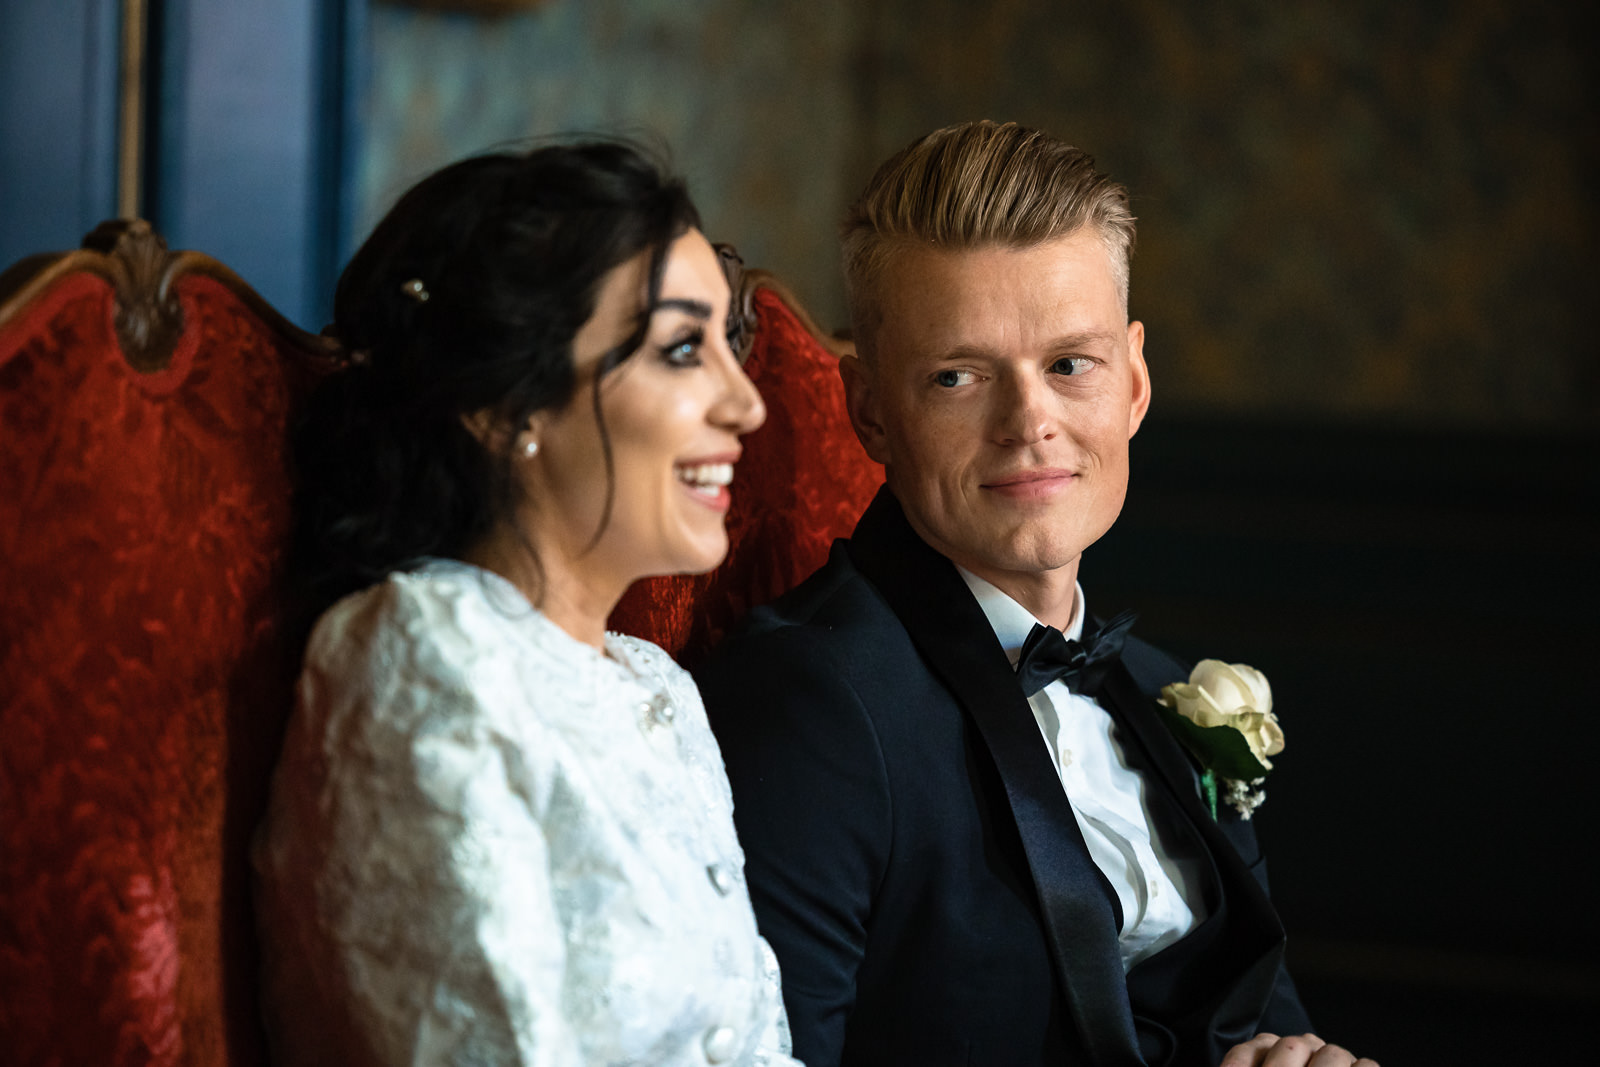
<point>1224,694</point>
<point>1233,685</point>
<point>1260,691</point>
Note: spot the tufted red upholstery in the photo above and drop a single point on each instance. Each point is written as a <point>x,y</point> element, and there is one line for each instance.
<point>803,481</point>
<point>144,680</point>
<point>141,687</point>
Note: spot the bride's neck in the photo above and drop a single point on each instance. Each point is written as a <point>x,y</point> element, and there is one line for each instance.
<point>562,592</point>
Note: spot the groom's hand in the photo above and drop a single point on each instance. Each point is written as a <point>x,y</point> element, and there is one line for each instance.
<point>1306,1050</point>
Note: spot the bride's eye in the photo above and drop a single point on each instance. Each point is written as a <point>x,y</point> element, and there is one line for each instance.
<point>685,351</point>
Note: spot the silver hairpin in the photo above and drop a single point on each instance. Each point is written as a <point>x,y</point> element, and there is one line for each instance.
<point>415,290</point>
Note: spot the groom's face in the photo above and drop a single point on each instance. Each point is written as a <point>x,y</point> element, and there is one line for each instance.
<point>1000,389</point>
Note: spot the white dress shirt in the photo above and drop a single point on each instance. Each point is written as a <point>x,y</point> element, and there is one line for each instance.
<point>1159,889</point>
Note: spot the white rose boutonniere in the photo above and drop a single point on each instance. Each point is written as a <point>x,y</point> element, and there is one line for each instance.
<point>1223,715</point>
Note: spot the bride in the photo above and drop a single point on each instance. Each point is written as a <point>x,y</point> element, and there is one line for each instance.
<point>499,834</point>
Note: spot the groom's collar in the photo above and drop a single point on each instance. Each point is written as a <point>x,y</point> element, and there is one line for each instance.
<point>1010,621</point>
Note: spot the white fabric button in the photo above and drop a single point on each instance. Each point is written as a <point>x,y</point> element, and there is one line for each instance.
<point>721,1042</point>
<point>658,710</point>
<point>720,878</point>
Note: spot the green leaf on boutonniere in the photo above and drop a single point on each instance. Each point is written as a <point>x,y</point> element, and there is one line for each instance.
<point>1208,786</point>
<point>1221,749</point>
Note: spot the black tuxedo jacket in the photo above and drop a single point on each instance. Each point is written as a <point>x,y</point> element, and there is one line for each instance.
<point>900,833</point>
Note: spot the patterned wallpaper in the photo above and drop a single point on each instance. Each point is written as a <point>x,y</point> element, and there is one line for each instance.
<point>1352,211</point>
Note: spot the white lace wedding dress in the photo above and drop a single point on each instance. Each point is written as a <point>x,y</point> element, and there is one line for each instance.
<point>488,843</point>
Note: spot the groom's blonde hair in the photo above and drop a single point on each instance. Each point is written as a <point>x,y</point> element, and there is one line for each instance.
<point>973,185</point>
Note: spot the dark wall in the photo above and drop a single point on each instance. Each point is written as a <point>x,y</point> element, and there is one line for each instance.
<point>1423,605</point>
<point>1350,210</point>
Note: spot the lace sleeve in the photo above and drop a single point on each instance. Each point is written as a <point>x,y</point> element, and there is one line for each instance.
<point>406,885</point>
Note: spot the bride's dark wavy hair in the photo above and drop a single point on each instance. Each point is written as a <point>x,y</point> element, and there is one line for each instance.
<point>465,298</point>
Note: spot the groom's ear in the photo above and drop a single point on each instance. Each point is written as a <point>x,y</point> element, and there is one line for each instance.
<point>1138,378</point>
<point>861,400</point>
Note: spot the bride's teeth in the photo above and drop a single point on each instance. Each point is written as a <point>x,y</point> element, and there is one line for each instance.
<point>707,475</point>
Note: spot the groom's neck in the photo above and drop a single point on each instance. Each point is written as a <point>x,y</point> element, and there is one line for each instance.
<point>1050,596</point>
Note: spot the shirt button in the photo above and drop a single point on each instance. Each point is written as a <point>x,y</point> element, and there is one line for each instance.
<point>720,878</point>
<point>720,1044</point>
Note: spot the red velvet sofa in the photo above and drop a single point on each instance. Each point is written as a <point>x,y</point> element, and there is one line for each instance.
<point>145,673</point>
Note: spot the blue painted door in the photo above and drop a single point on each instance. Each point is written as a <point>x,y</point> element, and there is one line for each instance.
<point>248,113</point>
<point>58,122</point>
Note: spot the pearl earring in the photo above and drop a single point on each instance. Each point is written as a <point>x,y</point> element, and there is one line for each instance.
<point>530,449</point>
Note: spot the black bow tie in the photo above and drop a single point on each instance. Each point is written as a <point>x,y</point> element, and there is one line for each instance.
<point>1048,656</point>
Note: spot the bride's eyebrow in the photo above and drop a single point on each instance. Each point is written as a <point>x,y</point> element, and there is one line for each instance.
<point>698,308</point>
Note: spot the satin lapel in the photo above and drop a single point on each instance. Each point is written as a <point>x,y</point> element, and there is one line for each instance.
<point>949,629</point>
<point>1121,695</point>
<point>1251,925</point>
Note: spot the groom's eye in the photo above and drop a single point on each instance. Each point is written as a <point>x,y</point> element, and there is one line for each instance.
<point>1072,365</point>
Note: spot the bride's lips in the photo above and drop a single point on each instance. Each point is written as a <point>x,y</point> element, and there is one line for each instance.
<point>1041,483</point>
<point>706,478</point>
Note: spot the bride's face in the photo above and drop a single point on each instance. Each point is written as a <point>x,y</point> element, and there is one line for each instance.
<point>673,413</point>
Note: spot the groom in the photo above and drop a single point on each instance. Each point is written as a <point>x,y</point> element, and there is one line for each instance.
<point>960,860</point>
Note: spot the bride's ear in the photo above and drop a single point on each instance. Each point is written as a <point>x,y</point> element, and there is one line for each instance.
<point>488,429</point>
<point>495,433</point>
